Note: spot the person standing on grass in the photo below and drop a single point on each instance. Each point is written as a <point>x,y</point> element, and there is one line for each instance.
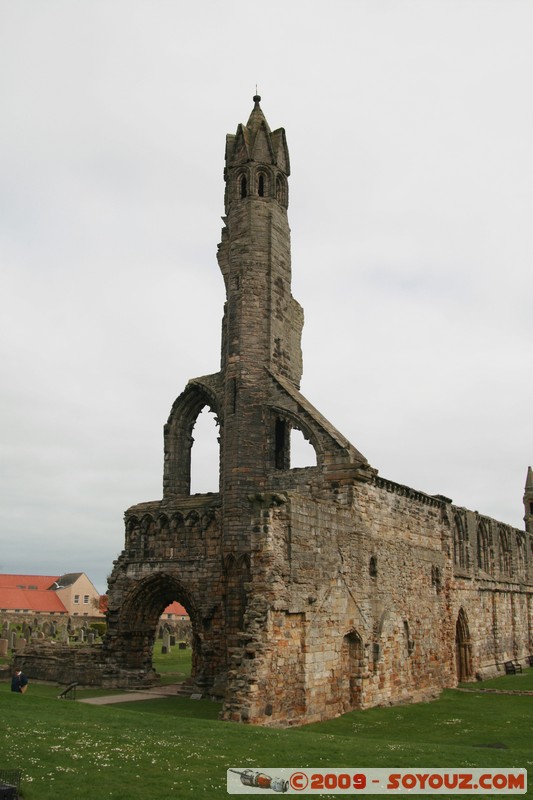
<point>19,682</point>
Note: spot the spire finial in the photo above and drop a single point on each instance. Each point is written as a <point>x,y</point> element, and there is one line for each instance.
<point>256,98</point>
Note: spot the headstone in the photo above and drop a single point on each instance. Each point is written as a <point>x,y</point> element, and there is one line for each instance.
<point>90,637</point>
<point>3,648</point>
<point>164,650</point>
<point>166,640</point>
<point>172,640</point>
<point>12,639</point>
<point>182,645</point>
<point>81,635</point>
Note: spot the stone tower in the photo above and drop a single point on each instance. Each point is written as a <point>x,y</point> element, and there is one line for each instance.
<point>310,591</point>
<point>528,501</point>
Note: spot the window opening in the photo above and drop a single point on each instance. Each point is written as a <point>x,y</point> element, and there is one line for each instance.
<point>303,453</point>
<point>243,186</point>
<point>205,454</point>
<point>281,444</point>
<point>261,186</point>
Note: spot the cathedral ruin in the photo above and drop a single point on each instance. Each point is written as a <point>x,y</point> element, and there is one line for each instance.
<point>317,590</point>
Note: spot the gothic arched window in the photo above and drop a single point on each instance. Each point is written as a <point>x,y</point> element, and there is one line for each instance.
<point>281,191</point>
<point>505,552</point>
<point>243,186</point>
<point>520,555</point>
<point>484,547</point>
<point>460,550</point>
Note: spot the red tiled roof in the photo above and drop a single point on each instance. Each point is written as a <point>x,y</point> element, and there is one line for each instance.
<point>13,599</point>
<point>41,582</point>
<point>177,609</point>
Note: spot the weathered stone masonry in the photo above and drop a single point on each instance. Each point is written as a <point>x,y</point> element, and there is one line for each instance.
<point>311,591</point>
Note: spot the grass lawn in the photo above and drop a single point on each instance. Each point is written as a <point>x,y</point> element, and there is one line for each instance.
<point>521,682</point>
<point>173,667</point>
<point>176,747</point>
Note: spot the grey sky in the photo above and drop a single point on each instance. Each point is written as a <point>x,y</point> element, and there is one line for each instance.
<point>410,129</point>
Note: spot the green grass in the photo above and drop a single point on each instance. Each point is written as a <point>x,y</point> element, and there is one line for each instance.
<point>521,682</point>
<point>173,667</point>
<point>176,747</point>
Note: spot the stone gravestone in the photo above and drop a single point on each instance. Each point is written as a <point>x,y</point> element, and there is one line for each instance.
<point>3,648</point>
<point>172,640</point>
<point>166,641</point>
<point>81,635</point>
<point>90,637</point>
<point>12,640</point>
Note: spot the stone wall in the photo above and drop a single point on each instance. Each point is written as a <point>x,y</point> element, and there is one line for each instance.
<point>358,606</point>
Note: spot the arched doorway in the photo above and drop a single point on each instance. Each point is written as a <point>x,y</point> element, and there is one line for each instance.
<point>351,670</point>
<point>131,636</point>
<point>463,652</point>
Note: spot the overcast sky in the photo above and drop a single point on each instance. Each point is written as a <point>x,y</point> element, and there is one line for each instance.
<point>410,131</point>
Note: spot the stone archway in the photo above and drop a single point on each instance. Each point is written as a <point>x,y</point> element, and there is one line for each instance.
<point>352,654</point>
<point>132,634</point>
<point>463,651</point>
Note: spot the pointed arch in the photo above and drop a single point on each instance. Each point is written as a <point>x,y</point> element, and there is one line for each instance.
<point>484,547</point>
<point>463,650</point>
<point>520,555</point>
<point>178,436</point>
<point>504,549</point>
<point>352,664</point>
<point>262,183</point>
<point>282,191</point>
<point>138,620</point>
<point>460,542</point>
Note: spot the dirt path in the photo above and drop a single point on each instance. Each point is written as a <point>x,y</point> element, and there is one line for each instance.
<point>170,690</point>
